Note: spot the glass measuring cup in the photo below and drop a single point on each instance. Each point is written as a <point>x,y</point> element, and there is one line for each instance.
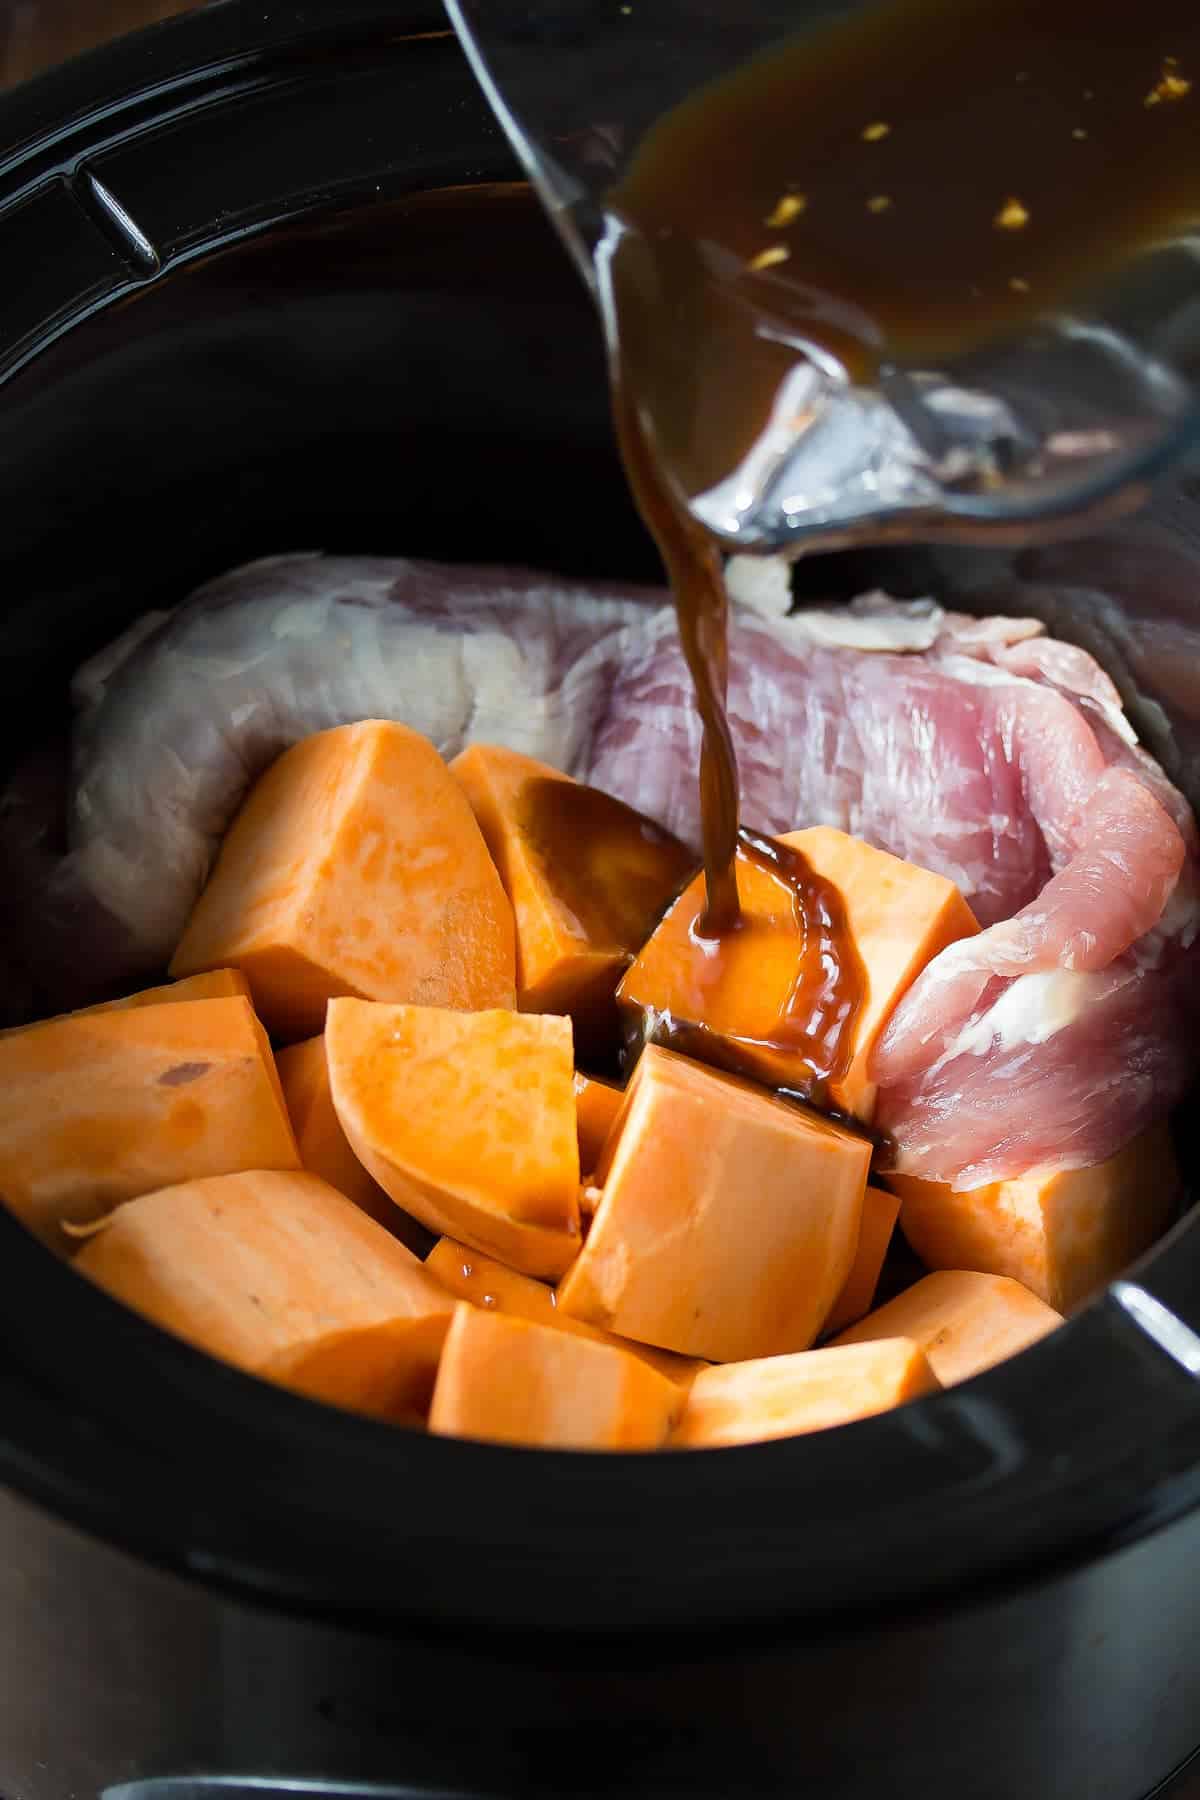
<point>1036,431</point>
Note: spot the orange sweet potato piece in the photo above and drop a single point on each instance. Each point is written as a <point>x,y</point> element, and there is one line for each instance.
<point>100,1107</point>
<point>597,1104</point>
<point>281,1276</point>
<point>355,867</point>
<point>780,1396</point>
<point>467,1120</point>
<point>728,1219</point>
<point>1062,1234</point>
<point>874,1235</point>
<point>472,1276</point>
<point>324,1151</point>
<point>505,1379</point>
<point>897,915</point>
<point>588,878</point>
<point>964,1322</point>
<point>304,1074</point>
<point>215,984</point>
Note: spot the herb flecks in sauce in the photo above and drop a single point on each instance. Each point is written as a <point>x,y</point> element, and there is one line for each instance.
<point>906,153</point>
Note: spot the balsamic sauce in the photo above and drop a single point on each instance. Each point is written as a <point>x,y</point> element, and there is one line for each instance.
<point>614,871</point>
<point>693,565</point>
<point>904,184</point>
<point>892,190</point>
<point>801,1045</point>
<point>830,983</point>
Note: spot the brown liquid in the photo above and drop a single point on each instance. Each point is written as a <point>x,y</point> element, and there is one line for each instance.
<point>897,188</point>
<point>693,566</point>
<point>902,135</point>
<point>813,1028</point>
<point>830,982</point>
<point>615,872</point>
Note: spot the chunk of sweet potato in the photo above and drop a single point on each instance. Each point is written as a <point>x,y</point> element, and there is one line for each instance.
<point>597,1104</point>
<point>100,1107</point>
<point>1063,1234</point>
<point>281,1276</point>
<point>728,1218</point>
<point>304,1073</point>
<point>215,984</point>
<point>485,1282</point>
<point>355,867</point>
<point>964,1322</point>
<point>780,1396</point>
<point>588,878</point>
<point>504,1379</point>
<point>212,984</point>
<point>467,1120</point>
<point>897,916</point>
<point>874,1235</point>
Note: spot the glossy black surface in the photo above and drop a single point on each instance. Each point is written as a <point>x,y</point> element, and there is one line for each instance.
<point>394,373</point>
<point>1080,1688</point>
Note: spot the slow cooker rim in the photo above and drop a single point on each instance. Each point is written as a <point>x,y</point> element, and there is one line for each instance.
<point>186,1403</point>
<point>166,1490</point>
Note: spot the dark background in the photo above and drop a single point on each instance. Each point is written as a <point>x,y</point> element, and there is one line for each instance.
<point>35,34</point>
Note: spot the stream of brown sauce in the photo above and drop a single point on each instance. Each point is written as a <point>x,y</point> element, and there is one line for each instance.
<point>899,186</point>
<point>829,983</point>
<point>693,564</point>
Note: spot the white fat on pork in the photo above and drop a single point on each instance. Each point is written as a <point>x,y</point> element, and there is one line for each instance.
<point>762,584</point>
<point>1059,989</point>
<point>1032,1009</point>
<point>980,748</point>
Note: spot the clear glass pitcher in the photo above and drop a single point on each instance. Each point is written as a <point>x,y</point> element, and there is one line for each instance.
<point>1041,432</point>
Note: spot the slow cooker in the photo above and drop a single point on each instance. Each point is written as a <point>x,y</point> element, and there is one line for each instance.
<point>272,282</point>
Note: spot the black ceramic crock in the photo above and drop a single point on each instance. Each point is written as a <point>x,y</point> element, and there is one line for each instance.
<point>270,282</point>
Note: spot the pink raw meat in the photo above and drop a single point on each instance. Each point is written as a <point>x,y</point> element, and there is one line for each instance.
<point>1038,1042</point>
<point>975,747</point>
<point>1003,761</point>
<point>916,753</point>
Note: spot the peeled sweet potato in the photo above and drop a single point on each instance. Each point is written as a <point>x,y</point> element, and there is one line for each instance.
<point>304,1074</point>
<point>588,878</point>
<point>874,1235</point>
<point>216,984</point>
<point>213,984</point>
<point>964,1322</point>
<point>897,916</point>
<point>780,1396</point>
<point>283,1277</point>
<point>487,1283</point>
<point>100,1107</point>
<point>467,1120</point>
<point>597,1104</point>
<point>728,1218</point>
<point>1063,1234</point>
<point>355,867</point>
<point>504,1379</point>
